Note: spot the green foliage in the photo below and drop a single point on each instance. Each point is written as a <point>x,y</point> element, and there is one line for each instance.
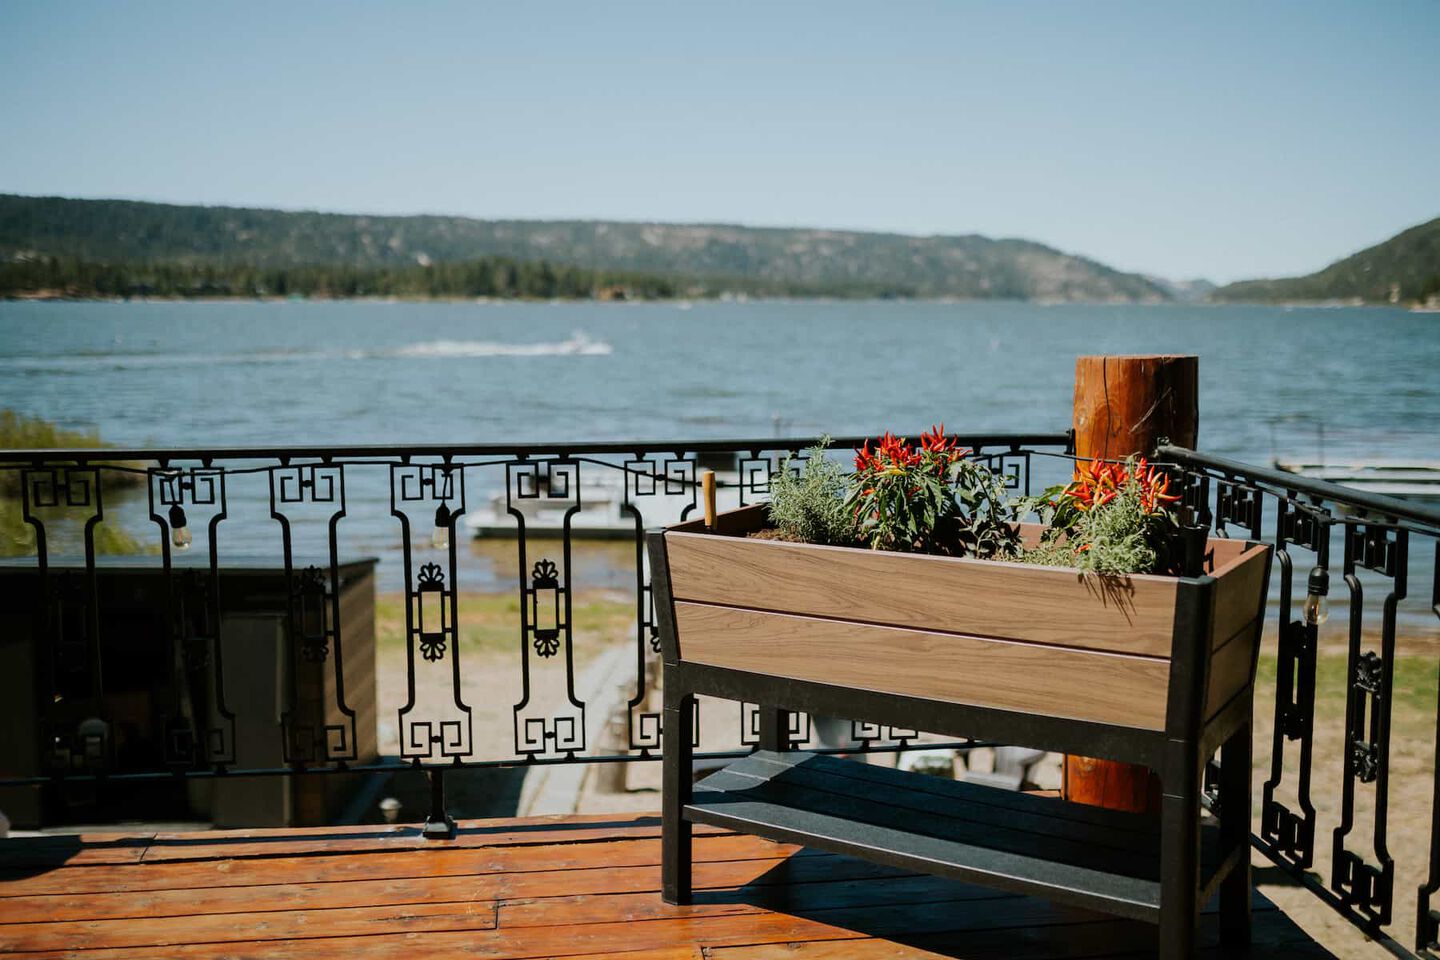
<point>1112,539</point>
<point>1115,519</point>
<point>19,432</point>
<point>697,259</point>
<point>929,499</point>
<point>488,277</point>
<point>1406,266</point>
<point>807,501</point>
<point>17,538</point>
<point>987,517</point>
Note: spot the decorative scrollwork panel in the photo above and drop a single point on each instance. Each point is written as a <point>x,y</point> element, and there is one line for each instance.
<point>549,718</point>
<point>798,726</point>
<point>200,727</point>
<point>431,498</point>
<point>1367,887</point>
<point>1427,919</point>
<point>1291,834</point>
<point>57,502</point>
<point>308,501</point>
<point>668,484</point>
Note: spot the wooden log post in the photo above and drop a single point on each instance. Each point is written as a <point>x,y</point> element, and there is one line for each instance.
<point>707,496</point>
<point>1124,406</point>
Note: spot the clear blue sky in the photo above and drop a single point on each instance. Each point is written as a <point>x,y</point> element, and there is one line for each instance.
<point>1183,139</point>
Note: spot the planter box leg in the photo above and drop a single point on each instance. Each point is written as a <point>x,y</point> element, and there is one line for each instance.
<point>677,732</point>
<point>1179,868</point>
<point>1235,760</point>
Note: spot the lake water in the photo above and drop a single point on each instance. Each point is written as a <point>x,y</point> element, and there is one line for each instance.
<point>172,374</point>
<point>246,373</point>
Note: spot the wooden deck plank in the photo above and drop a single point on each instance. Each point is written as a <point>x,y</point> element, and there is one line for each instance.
<point>270,925</point>
<point>54,850</point>
<point>475,835</point>
<point>432,860</point>
<point>471,906</point>
<point>647,905</point>
<point>360,895</point>
<point>123,904</point>
<point>1051,926</point>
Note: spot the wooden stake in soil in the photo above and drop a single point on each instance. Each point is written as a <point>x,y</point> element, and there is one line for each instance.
<point>1125,406</point>
<point>707,494</point>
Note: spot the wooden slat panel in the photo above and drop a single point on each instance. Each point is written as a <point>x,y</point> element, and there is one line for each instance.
<point>984,598</point>
<point>731,523</point>
<point>1237,594</point>
<point>1076,684</point>
<point>1230,668</point>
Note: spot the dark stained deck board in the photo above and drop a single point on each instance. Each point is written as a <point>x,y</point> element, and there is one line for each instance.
<point>546,887</point>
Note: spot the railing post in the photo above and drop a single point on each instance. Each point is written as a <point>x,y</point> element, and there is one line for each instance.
<point>773,725</point>
<point>440,825</point>
<point>1125,406</point>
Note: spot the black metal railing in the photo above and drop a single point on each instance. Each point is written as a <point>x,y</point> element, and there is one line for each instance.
<point>1379,541</point>
<point>201,516</point>
<point>198,514</point>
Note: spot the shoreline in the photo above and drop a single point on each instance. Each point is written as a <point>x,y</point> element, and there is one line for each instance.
<point>739,298</point>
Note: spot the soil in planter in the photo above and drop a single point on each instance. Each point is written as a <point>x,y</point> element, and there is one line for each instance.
<point>774,533</point>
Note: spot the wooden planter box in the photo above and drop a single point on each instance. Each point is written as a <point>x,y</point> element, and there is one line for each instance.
<point>1152,670</point>
<point>1039,640</point>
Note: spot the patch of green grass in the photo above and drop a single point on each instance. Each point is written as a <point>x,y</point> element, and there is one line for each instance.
<point>19,432</point>
<point>1412,695</point>
<point>17,538</point>
<point>491,622</point>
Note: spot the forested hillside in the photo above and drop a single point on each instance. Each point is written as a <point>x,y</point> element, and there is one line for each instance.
<point>1403,269</point>
<point>700,258</point>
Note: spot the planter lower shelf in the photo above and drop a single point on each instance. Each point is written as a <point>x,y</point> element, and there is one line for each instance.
<point>1100,859</point>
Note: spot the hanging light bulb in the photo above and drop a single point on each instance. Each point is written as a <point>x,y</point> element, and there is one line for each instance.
<point>440,539</point>
<point>180,534</point>
<point>1317,608</point>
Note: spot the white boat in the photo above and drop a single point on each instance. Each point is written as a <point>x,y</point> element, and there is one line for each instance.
<point>1408,480</point>
<point>602,514</point>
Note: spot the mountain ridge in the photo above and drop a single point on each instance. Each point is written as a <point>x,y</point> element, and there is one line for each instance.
<point>1402,269</point>
<point>802,260</point>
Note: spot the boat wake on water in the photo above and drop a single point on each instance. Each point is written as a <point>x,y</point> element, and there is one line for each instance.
<point>579,344</point>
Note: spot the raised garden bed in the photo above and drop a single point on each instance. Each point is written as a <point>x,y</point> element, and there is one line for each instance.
<point>1149,669</point>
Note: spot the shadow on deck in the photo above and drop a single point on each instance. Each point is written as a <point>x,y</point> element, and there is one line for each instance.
<point>580,886</point>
